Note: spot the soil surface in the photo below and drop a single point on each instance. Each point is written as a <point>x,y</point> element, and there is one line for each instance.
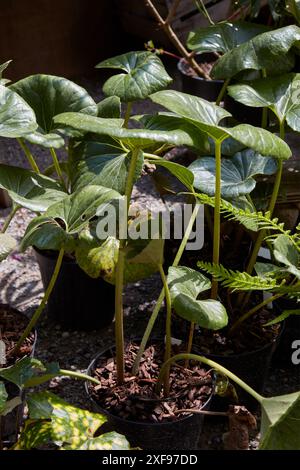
<point>137,400</point>
<point>12,325</point>
<point>21,287</point>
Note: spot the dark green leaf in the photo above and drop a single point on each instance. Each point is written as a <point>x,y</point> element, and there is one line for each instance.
<point>30,190</point>
<point>49,95</point>
<point>268,50</point>
<point>109,107</point>
<point>142,138</point>
<point>223,37</point>
<point>23,371</point>
<point>3,397</point>
<point>236,173</point>
<point>16,117</point>
<point>179,171</point>
<point>102,163</point>
<point>144,74</point>
<point>280,94</point>
<point>185,285</point>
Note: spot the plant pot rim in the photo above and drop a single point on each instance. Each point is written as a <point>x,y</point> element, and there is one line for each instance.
<point>180,67</point>
<point>245,353</point>
<point>34,330</point>
<point>144,423</point>
<point>53,254</point>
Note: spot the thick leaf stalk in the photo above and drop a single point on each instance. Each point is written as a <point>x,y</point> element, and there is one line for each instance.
<point>41,307</point>
<point>168,347</point>
<point>29,156</point>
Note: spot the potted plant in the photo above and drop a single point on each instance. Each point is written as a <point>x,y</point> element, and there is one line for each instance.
<point>45,95</point>
<point>186,113</point>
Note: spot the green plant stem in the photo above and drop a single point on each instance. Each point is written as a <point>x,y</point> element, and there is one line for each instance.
<point>9,218</point>
<point>168,345</point>
<point>253,310</point>
<point>222,91</point>
<point>210,363</point>
<point>264,118</point>
<point>41,307</point>
<point>161,297</point>
<point>127,114</point>
<point>242,298</point>
<point>203,9</point>
<point>78,375</point>
<point>119,326</point>
<point>217,216</point>
<point>57,167</point>
<point>190,342</point>
<point>29,156</point>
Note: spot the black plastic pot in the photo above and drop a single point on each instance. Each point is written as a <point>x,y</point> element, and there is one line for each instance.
<point>77,301</point>
<point>291,333</point>
<point>10,424</point>
<point>251,366</point>
<point>207,89</point>
<point>182,434</point>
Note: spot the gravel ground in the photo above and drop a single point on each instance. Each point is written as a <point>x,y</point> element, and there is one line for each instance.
<point>20,285</point>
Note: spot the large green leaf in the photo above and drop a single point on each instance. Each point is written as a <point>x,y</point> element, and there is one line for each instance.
<point>206,116</point>
<point>109,107</point>
<point>280,94</point>
<point>62,221</point>
<point>30,190</point>
<point>185,285</point>
<point>237,173</point>
<point>49,95</point>
<point>144,74</point>
<point>16,117</point>
<point>286,253</point>
<point>223,37</point>
<point>280,422</point>
<point>143,138</point>
<point>173,123</point>
<point>103,163</point>
<point>270,50</point>
<point>7,245</point>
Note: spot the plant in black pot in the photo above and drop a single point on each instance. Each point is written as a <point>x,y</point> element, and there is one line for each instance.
<point>214,177</point>
<point>128,398</point>
<point>37,190</point>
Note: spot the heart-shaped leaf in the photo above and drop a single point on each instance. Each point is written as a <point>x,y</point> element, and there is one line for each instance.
<point>270,50</point>
<point>103,163</point>
<point>109,107</point>
<point>49,95</point>
<point>30,190</point>
<point>223,37</point>
<point>280,94</point>
<point>143,138</point>
<point>280,422</point>
<point>144,74</point>
<point>286,253</point>
<point>236,173</point>
<point>206,116</point>
<point>16,117</point>
<point>62,221</point>
<point>185,285</point>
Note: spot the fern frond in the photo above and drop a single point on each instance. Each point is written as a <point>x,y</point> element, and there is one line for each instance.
<point>253,220</point>
<point>236,280</point>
